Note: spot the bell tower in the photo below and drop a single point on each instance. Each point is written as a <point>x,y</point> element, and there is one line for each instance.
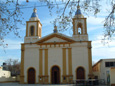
<point>79,26</point>
<point>33,28</point>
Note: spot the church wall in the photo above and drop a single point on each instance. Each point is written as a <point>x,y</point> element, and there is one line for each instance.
<point>31,59</point>
<point>55,59</point>
<point>80,58</point>
<point>80,37</point>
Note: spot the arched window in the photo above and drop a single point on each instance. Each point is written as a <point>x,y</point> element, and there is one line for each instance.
<point>79,27</point>
<point>32,31</point>
<point>79,30</point>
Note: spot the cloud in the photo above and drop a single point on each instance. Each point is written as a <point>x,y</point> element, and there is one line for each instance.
<point>101,51</point>
<point>95,28</point>
<point>22,29</point>
<point>47,21</point>
<point>95,21</point>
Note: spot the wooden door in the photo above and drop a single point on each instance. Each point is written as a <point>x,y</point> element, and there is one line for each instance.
<point>55,76</point>
<point>80,73</point>
<point>31,76</point>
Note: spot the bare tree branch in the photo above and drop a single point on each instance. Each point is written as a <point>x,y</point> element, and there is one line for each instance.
<point>65,7</point>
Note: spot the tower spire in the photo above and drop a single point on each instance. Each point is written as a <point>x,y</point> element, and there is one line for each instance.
<point>78,2</point>
<point>78,13</point>
<point>55,29</point>
<point>34,16</point>
<point>35,10</point>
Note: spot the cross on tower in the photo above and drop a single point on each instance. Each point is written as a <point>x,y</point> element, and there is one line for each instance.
<point>78,2</point>
<point>35,5</point>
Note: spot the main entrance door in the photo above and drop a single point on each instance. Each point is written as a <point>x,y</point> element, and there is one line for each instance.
<point>55,75</point>
<point>31,76</point>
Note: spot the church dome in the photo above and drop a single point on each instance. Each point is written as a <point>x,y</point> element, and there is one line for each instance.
<point>78,13</point>
<point>34,16</point>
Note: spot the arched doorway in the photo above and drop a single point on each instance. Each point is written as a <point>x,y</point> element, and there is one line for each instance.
<point>55,75</point>
<point>31,76</point>
<point>80,73</point>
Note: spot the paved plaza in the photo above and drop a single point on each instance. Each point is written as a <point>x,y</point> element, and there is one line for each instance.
<point>17,84</point>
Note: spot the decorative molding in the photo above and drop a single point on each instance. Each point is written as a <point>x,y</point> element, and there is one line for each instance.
<point>64,63</point>
<point>40,62</point>
<point>70,61</point>
<point>34,21</point>
<point>55,35</point>
<point>90,59</point>
<point>22,64</point>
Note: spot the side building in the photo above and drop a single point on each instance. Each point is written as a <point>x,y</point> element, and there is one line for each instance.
<point>4,73</point>
<point>102,69</point>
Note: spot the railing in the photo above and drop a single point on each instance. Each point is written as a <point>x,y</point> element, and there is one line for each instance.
<point>89,82</point>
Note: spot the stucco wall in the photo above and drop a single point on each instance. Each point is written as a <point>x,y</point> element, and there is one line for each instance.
<point>80,58</point>
<point>112,76</point>
<point>31,59</point>
<point>4,73</point>
<point>104,69</point>
<point>55,57</point>
<point>5,76</point>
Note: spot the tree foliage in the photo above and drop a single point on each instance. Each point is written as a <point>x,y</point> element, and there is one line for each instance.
<point>65,13</point>
<point>65,9</point>
<point>9,19</point>
<point>13,65</point>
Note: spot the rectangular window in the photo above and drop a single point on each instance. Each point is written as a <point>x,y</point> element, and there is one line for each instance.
<point>111,64</point>
<point>107,64</point>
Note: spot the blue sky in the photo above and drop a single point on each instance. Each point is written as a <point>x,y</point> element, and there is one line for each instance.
<point>94,27</point>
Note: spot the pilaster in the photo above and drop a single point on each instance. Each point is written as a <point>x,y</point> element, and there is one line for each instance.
<point>22,64</point>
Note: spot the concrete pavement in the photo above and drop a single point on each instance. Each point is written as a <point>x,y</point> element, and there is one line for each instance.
<point>17,84</point>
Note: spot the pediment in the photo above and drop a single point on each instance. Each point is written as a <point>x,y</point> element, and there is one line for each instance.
<point>58,38</point>
<point>55,39</point>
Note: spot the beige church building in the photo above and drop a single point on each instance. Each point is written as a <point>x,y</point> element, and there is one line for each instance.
<point>55,58</point>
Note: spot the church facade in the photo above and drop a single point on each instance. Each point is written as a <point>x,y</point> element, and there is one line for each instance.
<point>55,58</point>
